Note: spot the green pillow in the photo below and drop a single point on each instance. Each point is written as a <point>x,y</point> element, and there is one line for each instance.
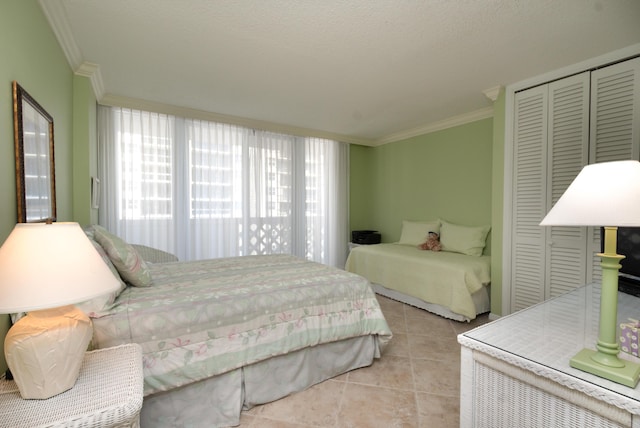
<point>469,240</point>
<point>125,258</point>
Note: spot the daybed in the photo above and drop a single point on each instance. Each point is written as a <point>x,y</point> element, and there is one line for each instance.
<point>453,282</point>
<point>226,334</point>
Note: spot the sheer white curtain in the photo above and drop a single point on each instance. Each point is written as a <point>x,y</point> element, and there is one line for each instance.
<point>136,170</point>
<point>326,200</point>
<point>205,190</point>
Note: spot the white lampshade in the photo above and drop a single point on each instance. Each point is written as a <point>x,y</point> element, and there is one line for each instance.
<point>50,265</point>
<point>603,194</point>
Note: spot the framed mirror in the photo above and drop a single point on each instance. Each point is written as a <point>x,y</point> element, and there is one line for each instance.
<point>35,166</point>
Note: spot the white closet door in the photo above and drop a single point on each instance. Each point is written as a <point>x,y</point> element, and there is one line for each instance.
<point>615,127</point>
<point>568,152</point>
<point>529,169</point>
<point>615,112</point>
<point>558,128</point>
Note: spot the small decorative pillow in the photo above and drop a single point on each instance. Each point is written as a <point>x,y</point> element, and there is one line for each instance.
<point>432,243</point>
<point>97,306</point>
<point>89,231</point>
<point>414,232</point>
<point>469,240</point>
<point>125,258</point>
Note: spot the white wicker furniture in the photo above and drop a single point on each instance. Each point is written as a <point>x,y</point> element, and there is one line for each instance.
<point>515,371</point>
<point>108,393</point>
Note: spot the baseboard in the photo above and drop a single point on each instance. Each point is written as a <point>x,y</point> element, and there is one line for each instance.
<point>493,317</point>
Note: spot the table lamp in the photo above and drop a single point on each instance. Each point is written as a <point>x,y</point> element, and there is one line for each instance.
<point>604,194</point>
<point>44,268</point>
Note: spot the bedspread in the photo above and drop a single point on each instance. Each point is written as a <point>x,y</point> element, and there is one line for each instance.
<point>203,318</point>
<point>439,277</point>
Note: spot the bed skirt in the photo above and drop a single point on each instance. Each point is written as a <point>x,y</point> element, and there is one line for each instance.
<point>219,400</point>
<point>481,300</point>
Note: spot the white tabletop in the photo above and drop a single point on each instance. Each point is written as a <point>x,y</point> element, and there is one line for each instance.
<point>544,337</point>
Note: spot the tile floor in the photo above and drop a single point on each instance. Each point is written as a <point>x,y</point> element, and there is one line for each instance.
<point>414,384</point>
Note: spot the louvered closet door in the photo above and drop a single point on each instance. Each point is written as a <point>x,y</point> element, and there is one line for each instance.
<point>568,151</point>
<point>529,169</point>
<point>615,127</point>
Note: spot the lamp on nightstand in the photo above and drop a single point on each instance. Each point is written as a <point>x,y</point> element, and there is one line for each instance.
<point>44,268</point>
<point>603,194</point>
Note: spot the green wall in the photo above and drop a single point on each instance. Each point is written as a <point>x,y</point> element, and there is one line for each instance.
<point>446,174</point>
<point>85,150</point>
<point>30,54</point>
<point>361,167</point>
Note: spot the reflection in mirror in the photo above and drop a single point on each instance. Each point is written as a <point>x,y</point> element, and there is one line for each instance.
<point>35,168</point>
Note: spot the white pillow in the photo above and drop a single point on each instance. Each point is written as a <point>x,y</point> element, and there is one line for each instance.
<point>415,232</point>
<point>468,240</point>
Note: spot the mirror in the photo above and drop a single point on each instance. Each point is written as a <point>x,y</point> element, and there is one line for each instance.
<point>35,168</point>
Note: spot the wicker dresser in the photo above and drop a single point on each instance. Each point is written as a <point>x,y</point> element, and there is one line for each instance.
<point>108,393</point>
<point>515,371</point>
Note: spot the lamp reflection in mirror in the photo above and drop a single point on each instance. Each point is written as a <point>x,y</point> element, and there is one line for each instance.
<point>44,269</point>
<point>604,194</point>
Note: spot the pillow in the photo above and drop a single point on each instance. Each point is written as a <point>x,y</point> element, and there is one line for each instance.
<point>416,232</point>
<point>469,240</point>
<point>126,259</point>
<point>96,307</point>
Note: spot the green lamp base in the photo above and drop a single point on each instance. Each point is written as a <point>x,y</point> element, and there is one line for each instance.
<point>628,374</point>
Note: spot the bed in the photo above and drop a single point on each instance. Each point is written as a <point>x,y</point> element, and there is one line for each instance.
<point>223,335</point>
<point>453,282</point>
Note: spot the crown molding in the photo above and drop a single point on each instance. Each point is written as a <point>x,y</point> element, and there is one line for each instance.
<point>483,113</point>
<point>92,71</point>
<point>492,93</point>
<point>55,13</point>
<point>134,103</point>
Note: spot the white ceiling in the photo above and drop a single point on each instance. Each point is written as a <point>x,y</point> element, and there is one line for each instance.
<point>367,71</point>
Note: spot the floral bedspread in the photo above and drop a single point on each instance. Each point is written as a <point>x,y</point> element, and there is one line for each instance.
<point>208,317</point>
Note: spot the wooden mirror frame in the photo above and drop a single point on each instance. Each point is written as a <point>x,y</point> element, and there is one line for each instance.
<point>35,166</point>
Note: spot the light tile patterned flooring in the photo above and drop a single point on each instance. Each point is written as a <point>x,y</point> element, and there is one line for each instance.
<point>416,383</point>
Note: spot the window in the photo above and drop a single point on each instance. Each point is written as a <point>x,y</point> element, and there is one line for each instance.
<point>146,161</point>
<point>202,189</point>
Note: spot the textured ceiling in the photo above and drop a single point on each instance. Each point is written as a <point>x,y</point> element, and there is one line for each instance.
<point>367,70</point>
